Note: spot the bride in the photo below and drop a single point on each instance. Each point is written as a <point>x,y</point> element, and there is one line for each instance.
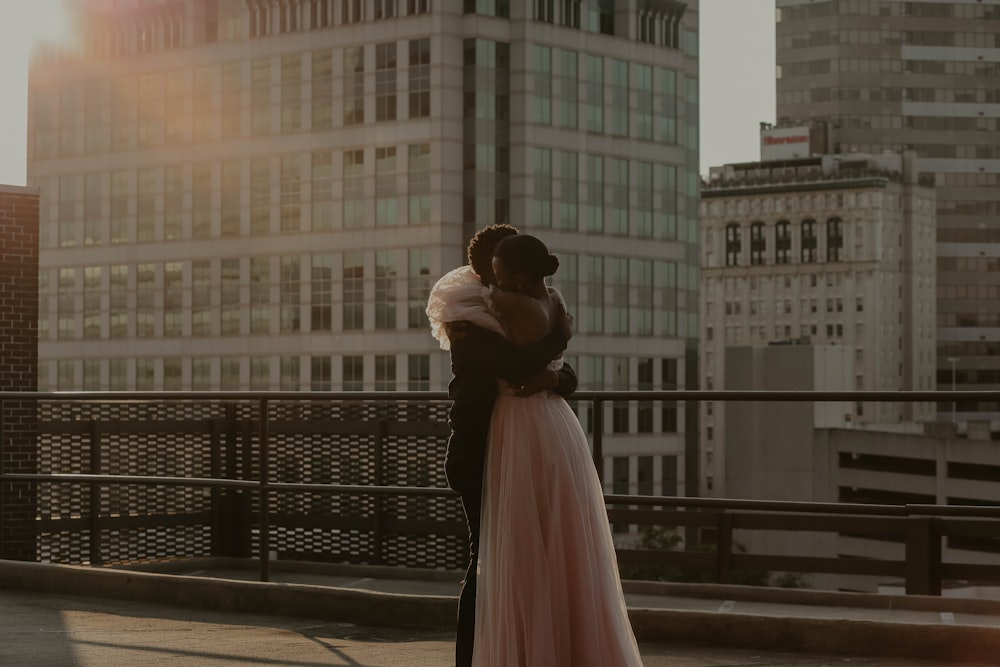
<point>549,590</point>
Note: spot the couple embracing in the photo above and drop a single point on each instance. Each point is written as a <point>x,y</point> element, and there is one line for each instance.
<point>542,588</point>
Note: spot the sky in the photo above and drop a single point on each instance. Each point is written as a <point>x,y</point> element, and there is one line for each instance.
<point>737,82</point>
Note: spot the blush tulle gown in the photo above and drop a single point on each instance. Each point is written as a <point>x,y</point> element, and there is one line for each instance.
<point>549,593</point>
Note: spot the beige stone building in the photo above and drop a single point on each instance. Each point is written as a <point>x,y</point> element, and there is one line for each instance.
<point>258,195</point>
<point>833,250</point>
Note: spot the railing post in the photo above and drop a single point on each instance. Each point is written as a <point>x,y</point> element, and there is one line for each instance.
<point>264,520</point>
<point>598,437</point>
<point>95,495</point>
<point>923,556</point>
<point>378,503</point>
<point>724,548</point>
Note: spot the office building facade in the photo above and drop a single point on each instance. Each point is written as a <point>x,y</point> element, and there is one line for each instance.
<point>918,75</point>
<point>828,250</point>
<point>251,196</point>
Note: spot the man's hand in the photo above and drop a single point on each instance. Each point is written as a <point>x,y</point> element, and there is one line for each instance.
<point>544,381</point>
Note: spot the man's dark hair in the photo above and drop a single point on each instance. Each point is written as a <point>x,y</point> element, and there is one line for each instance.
<point>480,252</point>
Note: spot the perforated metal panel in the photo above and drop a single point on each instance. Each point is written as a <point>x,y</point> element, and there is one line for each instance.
<point>360,443</point>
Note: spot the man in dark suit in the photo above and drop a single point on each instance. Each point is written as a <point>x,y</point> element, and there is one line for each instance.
<point>478,358</point>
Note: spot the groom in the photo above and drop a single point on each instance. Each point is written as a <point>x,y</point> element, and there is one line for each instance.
<point>478,358</point>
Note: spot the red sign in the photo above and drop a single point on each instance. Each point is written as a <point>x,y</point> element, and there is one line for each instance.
<point>793,139</point>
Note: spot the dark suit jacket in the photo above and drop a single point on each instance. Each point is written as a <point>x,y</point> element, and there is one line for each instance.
<point>478,358</point>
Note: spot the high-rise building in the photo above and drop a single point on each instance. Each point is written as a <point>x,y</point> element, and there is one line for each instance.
<point>258,195</point>
<point>918,75</point>
<point>833,250</point>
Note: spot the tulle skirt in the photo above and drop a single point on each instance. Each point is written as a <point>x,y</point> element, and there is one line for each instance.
<point>549,593</point>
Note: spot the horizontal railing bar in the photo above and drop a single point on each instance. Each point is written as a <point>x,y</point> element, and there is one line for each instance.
<point>610,499</point>
<point>425,396</point>
<point>768,505</point>
<point>990,511</point>
<point>85,478</point>
<point>819,564</point>
<point>352,489</point>
<point>361,489</point>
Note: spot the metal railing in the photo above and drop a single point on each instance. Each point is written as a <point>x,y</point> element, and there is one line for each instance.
<point>920,528</point>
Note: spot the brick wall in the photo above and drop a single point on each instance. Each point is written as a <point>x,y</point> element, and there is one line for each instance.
<point>18,365</point>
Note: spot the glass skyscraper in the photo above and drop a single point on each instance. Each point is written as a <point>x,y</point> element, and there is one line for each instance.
<point>259,195</point>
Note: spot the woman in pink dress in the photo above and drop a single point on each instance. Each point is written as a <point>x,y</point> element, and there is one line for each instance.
<point>549,589</point>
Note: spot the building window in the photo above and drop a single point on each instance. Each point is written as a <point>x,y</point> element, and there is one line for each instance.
<point>260,96</point>
<point>353,302</point>
<point>808,241</point>
<point>322,191</point>
<point>231,304</point>
<point>834,239</point>
<point>260,373</point>
<point>620,422</point>
<point>644,412</point>
<point>322,90</point>
<point>594,89</point>
<point>616,217</point>
<point>758,244</point>
<point>567,95</point>
<point>782,242</point>
<point>545,10</point>
<point>92,290</point>
<point>229,375</point>
<point>386,212</point>
<point>420,78</point>
<point>668,409</point>
<point>385,289</point>
<point>118,290</point>
<point>291,91</point>
<point>734,246</point>
<point>593,200</point>
<point>289,292</point>
<point>173,299</point>
<point>260,196</point>
<point>145,301</point>
<point>321,297</point>
<point>619,98</point>
<point>567,190</point>
<point>540,205</point>
<point>354,188</point>
<point>418,287</point>
<point>260,295</point>
<point>385,81</point>
<point>419,372</point>
<point>352,11</point>
<point>644,113</point>
<point>668,467</point>
<point>592,301</point>
<point>354,84</point>
<point>201,374</point>
<point>641,311</point>
<point>321,374</point>
<point>419,183</point>
<point>229,223</point>
<point>290,369</point>
<point>291,186</point>
<point>354,373</point>
<point>385,9</point>
<point>385,372</point>
<point>542,97</point>
<point>616,269</point>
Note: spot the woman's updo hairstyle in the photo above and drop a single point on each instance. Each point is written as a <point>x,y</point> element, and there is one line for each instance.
<point>527,255</point>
